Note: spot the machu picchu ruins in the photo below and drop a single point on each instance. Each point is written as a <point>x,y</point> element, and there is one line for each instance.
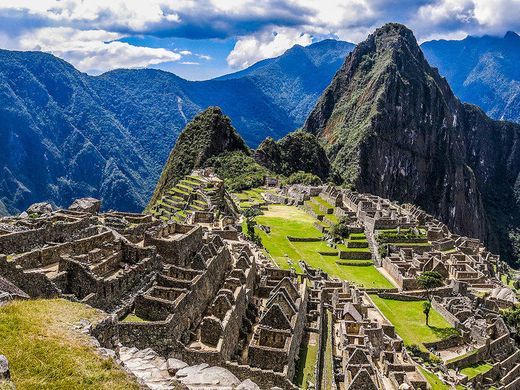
<point>359,229</point>
<point>185,285</point>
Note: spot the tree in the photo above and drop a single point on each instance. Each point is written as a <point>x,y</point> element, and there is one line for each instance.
<point>250,214</point>
<point>340,230</point>
<point>426,310</point>
<point>428,280</point>
<point>512,318</point>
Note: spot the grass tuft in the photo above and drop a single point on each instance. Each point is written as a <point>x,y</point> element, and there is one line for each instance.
<point>46,352</point>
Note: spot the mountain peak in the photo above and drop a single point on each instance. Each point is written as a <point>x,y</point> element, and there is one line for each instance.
<point>392,37</point>
<point>511,35</point>
<point>394,30</point>
<point>391,126</point>
<point>387,61</point>
<point>209,134</point>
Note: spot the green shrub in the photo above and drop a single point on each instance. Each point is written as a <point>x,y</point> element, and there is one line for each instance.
<point>340,230</point>
<point>239,171</point>
<point>301,177</point>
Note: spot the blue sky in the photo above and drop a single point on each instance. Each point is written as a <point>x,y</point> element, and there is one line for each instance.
<point>202,59</point>
<point>201,39</point>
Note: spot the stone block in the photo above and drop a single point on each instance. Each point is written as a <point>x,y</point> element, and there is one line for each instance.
<point>4,368</point>
<point>86,205</point>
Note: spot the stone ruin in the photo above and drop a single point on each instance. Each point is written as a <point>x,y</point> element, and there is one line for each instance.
<point>184,287</point>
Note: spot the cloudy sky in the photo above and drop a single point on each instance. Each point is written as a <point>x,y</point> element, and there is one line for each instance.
<point>200,39</point>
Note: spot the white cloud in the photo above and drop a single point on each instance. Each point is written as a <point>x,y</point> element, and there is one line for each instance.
<point>447,18</point>
<point>252,49</point>
<point>252,22</point>
<point>93,51</point>
<point>190,63</point>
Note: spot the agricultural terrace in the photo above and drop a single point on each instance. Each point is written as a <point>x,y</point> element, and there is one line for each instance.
<point>289,221</point>
<point>476,369</point>
<point>409,321</point>
<point>249,198</point>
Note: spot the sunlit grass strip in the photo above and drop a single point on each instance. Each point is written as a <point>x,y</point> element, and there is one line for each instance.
<point>409,321</point>
<point>45,352</point>
<point>328,371</point>
<point>305,370</point>
<point>472,371</point>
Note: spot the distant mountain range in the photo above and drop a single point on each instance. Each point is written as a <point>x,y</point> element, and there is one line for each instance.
<point>482,70</point>
<point>65,134</point>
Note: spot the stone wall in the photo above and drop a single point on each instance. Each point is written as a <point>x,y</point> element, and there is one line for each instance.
<point>405,283</point>
<point>49,255</point>
<point>162,335</point>
<point>399,297</point>
<point>104,293</point>
<point>228,234</point>
<point>502,345</point>
<point>446,313</point>
<point>35,284</point>
<point>354,255</point>
<point>57,232</point>
<point>450,342</point>
<point>304,239</point>
<point>297,336</point>
<point>175,242</point>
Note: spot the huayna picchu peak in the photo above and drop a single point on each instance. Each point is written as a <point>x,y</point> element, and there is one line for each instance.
<point>391,126</point>
<point>373,245</point>
<point>209,134</point>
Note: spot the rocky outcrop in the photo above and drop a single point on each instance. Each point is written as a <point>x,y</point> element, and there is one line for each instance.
<point>86,205</point>
<point>4,369</point>
<point>40,208</point>
<point>392,126</point>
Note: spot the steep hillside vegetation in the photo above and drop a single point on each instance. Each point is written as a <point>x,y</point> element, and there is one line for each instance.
<point>482,70</point>
<point>209,134</point>
<point>392,126</point>
<point>57,142</point>
<point>297,151</point>
<point>64,134</point>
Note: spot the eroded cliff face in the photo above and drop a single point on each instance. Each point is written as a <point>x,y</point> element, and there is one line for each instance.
<point>392,126</point>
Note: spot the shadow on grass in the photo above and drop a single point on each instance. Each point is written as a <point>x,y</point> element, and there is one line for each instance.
<point>444,333</point>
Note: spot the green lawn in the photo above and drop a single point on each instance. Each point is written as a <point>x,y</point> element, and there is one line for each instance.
<point>331,219</point>
<point>314,207</point>
<point>133,318</point>
<point>307,361</point>
<point>475,370</point>
<point>408,319</point>
<point>250,198</point>
<point>291,221</point>
<point>511,284</point>
<point>434,380</point>
<point>323,202</point>
<point>328,371</point>
<point>46,352</point>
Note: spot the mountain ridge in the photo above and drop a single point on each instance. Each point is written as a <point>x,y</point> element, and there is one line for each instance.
<point>482,70</point>
<point>392,126</point>
<point>121,125</point>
